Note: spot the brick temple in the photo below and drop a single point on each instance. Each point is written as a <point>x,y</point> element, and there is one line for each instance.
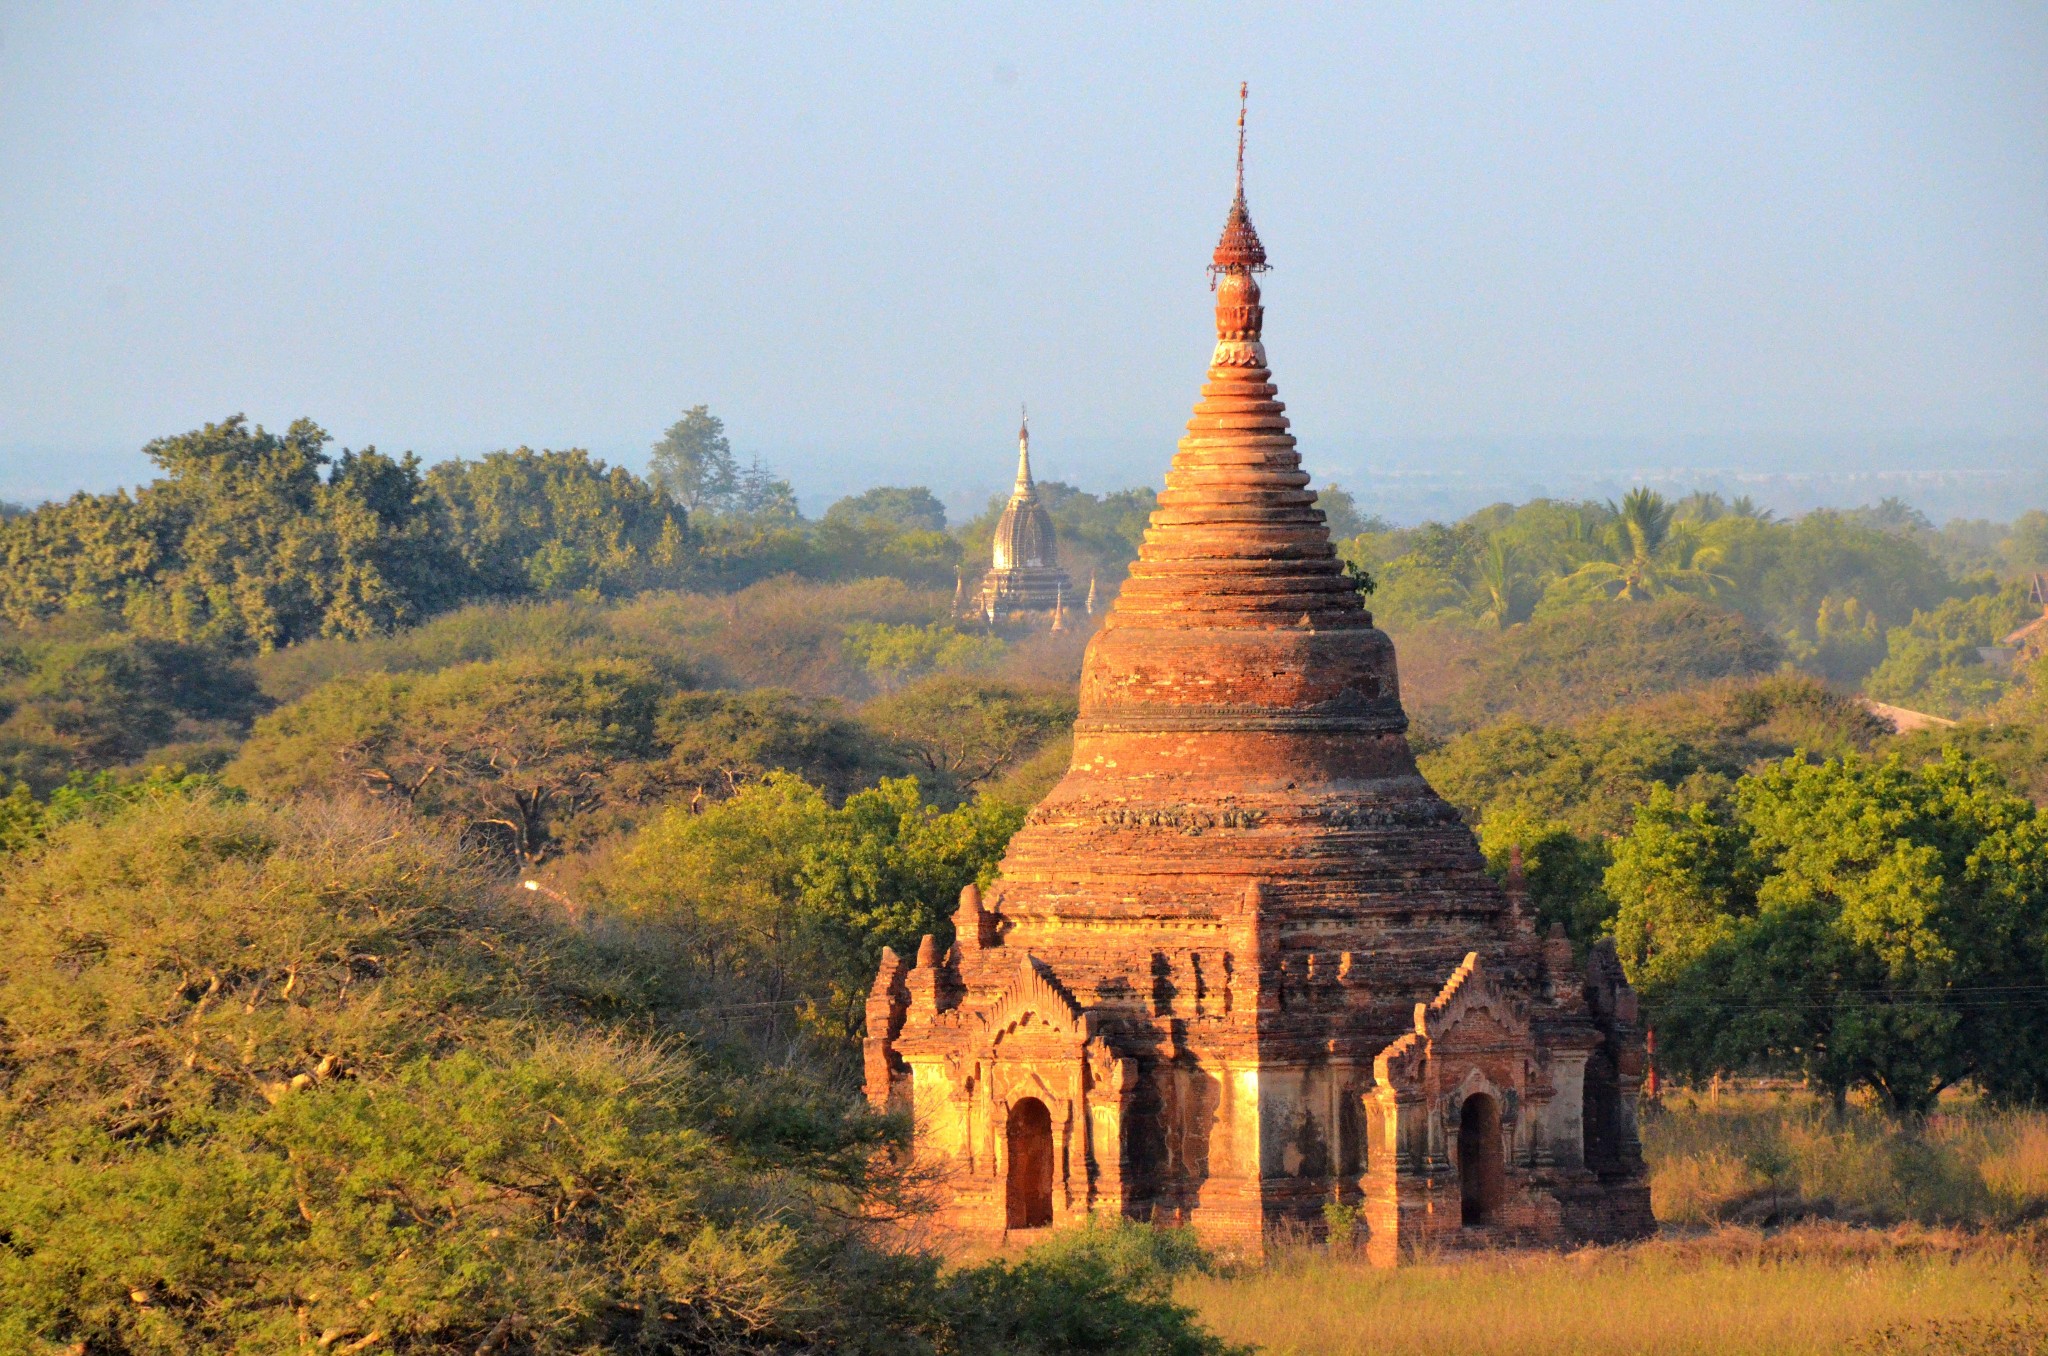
<point>1243,963</point>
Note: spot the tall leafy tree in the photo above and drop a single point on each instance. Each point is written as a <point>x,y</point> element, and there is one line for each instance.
<point>246,541</point>
<point>899,508</point>
<point>1868,923</point>
<point>693,462</point>
<point>560,522</point>
<point>966,731</point>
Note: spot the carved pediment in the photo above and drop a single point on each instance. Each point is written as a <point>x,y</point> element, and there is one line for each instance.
<point>1471,990</point>
<point>1471,1009</point>
<point>1032,994</point>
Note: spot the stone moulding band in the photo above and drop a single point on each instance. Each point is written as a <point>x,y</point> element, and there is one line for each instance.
<point>1226,721</point>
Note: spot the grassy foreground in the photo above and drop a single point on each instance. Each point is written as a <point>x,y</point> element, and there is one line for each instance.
<point>1789,1228</point>
<point>1817,1288</point>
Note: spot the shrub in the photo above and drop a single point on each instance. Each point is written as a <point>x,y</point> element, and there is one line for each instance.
<point>303,1078</point>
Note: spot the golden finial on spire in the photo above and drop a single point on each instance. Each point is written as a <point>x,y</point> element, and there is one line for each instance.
<point>1244,93</point>
<point>1239,251</point>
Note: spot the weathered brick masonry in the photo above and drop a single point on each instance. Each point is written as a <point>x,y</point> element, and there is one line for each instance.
<point>1243,962</point>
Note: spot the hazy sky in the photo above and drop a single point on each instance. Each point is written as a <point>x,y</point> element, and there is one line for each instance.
<point>864,234</point>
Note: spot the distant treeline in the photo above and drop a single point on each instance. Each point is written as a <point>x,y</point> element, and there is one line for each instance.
<point>251,540</point>
<point>1876,595</point>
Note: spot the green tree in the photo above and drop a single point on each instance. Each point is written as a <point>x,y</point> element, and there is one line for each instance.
<point>89,552</point>
<point>693,462</point>
<point>1569,664</point>
<point>1932,662</point>
<point>246,566</point>
<point>777,887</point>
<point>1650,554</point>
<point>1499,592</point>
<point>560,523</point>
<point>965,732</point>
<point>303,1078</point>
<point>694,466</point>
<point>511,751</point>
<point>719,742</point>
<point>1870,924</point>
<point>79,694</point>
<point>247,541</point>
<point>904,650</point>
<point>2025,548</point>
<point>898,508</point>
<point>1588,774</point>
<point>1784,572</point>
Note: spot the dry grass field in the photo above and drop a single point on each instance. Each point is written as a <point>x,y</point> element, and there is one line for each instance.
<point>1788,1229</point>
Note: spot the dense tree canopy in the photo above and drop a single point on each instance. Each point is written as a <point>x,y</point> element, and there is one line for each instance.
<point>1864,922</point>
<point>1826,585</point>
<point>964,732</point>
<point>1933,662</point>
<point>243,542</point>
<point>1586,660</point>
<point>529,754</point>
<point>281,1079</point>
<point>1561,793</point>
<point>798,898</point>
<point>78,694</point>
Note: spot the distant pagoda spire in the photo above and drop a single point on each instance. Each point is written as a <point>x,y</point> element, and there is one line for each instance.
<point>1024,574</point>
<point>1025,485</point>
<point>1236,539</point>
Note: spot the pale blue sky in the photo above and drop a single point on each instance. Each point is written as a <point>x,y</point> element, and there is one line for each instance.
<point>864,234</point>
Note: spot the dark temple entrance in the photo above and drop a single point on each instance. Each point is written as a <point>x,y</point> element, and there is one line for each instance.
<point>1481,1174</point>
<point>1030,1182</point>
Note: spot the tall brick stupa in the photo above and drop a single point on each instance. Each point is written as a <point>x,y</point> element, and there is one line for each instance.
<point>1243,963</point>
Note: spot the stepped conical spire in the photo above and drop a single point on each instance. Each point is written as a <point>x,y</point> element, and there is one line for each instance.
<point>1236,539</point>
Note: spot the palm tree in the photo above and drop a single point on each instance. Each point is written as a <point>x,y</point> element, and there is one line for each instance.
<point>1745,507</point>
<point>1646,554</point>
<point>1500,592</point>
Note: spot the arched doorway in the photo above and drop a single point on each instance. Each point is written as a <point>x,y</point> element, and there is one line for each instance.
<point>1600,1113</point>
<point>1030,1181</point>
<point>1481,1173</point>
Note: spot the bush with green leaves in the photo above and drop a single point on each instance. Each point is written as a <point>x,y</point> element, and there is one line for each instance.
<point>81,694</point>
<point>303,1078</point>
<point>1933,662</point>
<point>796,897</point>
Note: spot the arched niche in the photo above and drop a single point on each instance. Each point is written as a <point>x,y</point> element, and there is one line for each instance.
<point>1482,1174</point>
<point>1028,1185</point>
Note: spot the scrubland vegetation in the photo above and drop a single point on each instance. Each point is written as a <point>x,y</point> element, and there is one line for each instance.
<point>1736,1292</point>
<point>1790,1226</point>
<point>439,902</point>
